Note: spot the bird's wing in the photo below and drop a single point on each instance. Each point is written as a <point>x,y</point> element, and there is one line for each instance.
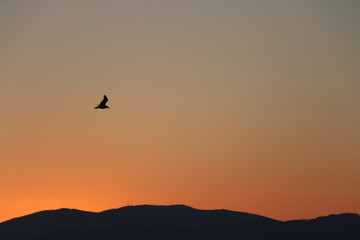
<point>104,101</point>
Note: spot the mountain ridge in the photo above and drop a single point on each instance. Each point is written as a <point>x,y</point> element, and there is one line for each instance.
<point>172,222</point>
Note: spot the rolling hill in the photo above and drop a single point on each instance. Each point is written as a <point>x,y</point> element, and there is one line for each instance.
<point>173,222</point>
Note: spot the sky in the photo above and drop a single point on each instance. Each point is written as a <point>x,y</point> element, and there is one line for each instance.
<point>248,105</point>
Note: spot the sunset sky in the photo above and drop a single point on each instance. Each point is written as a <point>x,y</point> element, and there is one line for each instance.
<point>247,105</point>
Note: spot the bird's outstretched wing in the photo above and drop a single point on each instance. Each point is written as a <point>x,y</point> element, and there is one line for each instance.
<point>104,101</point>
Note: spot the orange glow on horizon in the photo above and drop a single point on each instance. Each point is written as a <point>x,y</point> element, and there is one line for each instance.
<point>238,105</point>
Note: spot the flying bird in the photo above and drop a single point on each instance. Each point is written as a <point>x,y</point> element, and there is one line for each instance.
<point>102,105</point>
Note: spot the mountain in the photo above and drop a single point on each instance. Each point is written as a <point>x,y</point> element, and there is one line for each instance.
<point>173,222</point>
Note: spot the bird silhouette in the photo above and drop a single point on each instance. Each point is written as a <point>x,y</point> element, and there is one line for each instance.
<point>102,105</point>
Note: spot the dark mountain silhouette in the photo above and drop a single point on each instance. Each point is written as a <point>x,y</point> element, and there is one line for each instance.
<point>173,222</point>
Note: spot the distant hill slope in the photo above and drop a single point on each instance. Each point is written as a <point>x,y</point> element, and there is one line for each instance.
<point>172,222</point>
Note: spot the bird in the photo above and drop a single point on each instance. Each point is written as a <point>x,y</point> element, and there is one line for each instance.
<point>102,105</point>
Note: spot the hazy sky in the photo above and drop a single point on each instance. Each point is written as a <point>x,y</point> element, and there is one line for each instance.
<point>248,105</point>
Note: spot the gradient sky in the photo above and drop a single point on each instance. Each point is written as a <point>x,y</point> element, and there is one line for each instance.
<point>249,105</point>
